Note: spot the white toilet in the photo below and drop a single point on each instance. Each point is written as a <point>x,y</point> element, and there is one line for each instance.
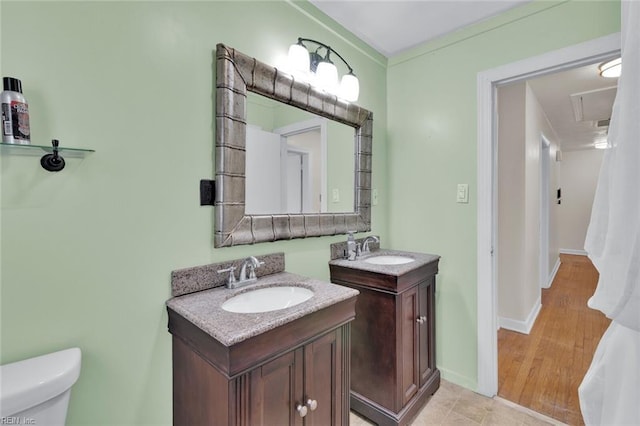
<point>36,391</point>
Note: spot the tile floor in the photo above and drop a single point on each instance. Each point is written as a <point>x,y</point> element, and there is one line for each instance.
<point>455,405</point>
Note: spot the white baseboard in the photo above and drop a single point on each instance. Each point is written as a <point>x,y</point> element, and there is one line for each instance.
<point>573,251</point>
<point>525,326</point>
<point>552,276</point>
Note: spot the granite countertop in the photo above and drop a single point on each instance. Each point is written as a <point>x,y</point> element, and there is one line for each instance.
<point>420,259</point>
<point>204,309</point>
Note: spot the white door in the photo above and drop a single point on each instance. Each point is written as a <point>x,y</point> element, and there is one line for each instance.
<point>262,186</point>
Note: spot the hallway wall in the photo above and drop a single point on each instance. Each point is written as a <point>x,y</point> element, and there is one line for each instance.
<point>579,174</point>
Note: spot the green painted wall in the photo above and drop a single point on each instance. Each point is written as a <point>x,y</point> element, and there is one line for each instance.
<point>87,253</point>
<point>432,145</point>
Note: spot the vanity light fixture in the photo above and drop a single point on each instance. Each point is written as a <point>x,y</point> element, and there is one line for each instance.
<point>601,145</point>
<point>611,69</point>
<point>321,71</point>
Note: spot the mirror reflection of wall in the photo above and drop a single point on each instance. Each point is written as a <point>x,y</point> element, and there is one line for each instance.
<point>296,162</point>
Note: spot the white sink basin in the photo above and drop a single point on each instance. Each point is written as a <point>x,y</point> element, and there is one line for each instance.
<point>388,260</point>
<point>267,299</point>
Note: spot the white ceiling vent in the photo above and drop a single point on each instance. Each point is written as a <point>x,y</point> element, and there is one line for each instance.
<point>594,105</point>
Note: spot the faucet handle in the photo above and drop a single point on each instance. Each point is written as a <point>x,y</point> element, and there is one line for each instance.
<point>230,270</point>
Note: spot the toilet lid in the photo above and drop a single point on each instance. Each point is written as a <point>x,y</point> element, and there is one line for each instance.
<point>27,383</point>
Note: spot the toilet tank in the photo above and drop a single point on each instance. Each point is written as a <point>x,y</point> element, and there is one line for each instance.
<point>36,391</point>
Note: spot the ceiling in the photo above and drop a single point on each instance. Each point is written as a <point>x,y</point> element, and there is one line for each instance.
<point>595,96</point>
<point>393,26</point>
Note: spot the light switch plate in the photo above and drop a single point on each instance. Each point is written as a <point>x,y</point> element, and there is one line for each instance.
<point>462,195</point>
<point>374,197</point>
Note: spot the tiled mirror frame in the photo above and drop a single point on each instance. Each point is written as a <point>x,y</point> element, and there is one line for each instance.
<point>237,73</point>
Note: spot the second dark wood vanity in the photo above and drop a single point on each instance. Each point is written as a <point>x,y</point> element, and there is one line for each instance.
<point>393,370</point>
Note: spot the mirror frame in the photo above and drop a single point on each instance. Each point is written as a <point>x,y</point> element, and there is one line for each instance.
<point>237,73</point>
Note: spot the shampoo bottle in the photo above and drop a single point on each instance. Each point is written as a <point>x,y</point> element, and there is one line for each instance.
<point>15,113</point>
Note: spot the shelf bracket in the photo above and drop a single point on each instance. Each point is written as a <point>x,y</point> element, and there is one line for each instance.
<point>53,162</point>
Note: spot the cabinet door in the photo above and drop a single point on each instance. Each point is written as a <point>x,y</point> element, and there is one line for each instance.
<point>323,392</point>
<point>275,391</point>
<point>426,294</point>
<point>409,328</point>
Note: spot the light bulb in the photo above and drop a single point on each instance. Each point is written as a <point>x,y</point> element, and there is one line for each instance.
<point>298,58</point>
<point>327,76</point>
<point>349,87</point>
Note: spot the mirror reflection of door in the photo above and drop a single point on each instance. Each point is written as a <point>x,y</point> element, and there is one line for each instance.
<point>284,172</point>
<point>263,187</point>
<point>307,147</point>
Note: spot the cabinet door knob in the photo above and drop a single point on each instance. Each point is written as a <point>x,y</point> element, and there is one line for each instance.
<point>419,320</point>
<point>301,409</point>
<point>312,404</point>
<point>424,319</point>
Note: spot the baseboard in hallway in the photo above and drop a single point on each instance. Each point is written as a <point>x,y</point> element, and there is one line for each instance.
<point>573,252</point>
<point>552,275</point>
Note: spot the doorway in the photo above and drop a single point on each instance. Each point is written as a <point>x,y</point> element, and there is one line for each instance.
<point>306,140</point>
<point>597,50</point>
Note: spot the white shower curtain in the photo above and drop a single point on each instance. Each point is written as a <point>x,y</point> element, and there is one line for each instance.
<point>610,391</point>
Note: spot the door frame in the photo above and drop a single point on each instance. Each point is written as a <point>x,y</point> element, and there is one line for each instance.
<point>597,50</point>
<point>545,210</point>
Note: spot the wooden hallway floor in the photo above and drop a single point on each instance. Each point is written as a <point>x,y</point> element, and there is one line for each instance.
<point>542,370</point>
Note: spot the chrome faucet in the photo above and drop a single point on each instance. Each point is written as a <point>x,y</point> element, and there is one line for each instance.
<point>353,248</point>
<point>251,263</point>
<point>365,244</point>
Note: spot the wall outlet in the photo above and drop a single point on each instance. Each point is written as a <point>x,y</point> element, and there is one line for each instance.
<point>462,195</point>
<point>335,195</point>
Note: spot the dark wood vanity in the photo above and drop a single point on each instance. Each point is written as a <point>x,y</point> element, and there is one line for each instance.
<point>294,374</point>
<point>393,370</point>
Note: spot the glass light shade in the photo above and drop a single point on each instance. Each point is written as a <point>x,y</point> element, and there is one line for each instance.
<point>349,88</point>
<point>327,76</point>
<point>298,58</point>
<point>611,69</point>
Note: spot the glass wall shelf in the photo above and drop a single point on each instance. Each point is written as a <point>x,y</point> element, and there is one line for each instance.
<point>39,150</point>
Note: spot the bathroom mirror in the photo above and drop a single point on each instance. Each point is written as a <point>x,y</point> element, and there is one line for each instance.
<point>236,76</point>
